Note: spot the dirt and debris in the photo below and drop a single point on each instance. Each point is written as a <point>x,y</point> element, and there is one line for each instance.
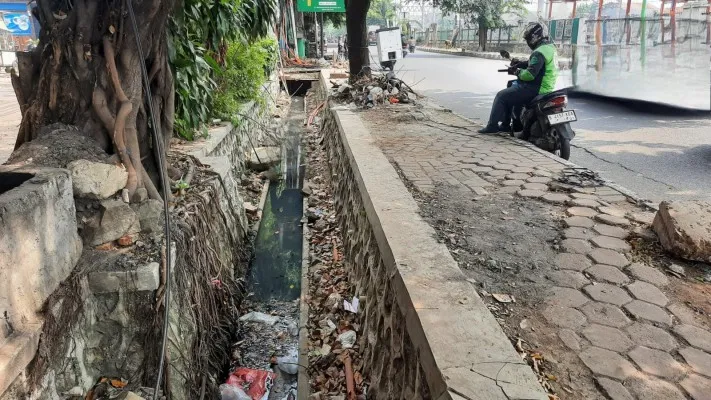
<point>378,89</point>
<point>579,177</point>
<point>335,356</point>
<point>268,341</point>
<point>509,262</point>
<point>57,145</point>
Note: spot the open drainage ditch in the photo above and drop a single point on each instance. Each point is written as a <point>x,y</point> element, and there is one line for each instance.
<point>269,337</point>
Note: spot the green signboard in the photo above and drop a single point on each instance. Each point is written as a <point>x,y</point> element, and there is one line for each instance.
<point>321,5</point>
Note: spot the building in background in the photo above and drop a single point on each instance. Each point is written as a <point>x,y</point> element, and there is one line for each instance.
<point>18,29</point>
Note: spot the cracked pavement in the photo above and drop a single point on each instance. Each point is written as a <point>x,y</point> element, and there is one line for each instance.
<point>658,153</point>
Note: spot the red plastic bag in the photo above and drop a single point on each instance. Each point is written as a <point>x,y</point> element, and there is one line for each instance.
<point>255,382</point>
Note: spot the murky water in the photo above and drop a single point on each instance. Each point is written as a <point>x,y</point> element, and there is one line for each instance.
<point>276,268</point>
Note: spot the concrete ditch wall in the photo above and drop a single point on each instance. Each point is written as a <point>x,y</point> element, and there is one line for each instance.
<point>427,334</point>
<point>101,314</point>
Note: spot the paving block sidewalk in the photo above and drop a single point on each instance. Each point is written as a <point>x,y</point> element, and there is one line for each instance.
<point>10,117</point>
<point>591,291</point>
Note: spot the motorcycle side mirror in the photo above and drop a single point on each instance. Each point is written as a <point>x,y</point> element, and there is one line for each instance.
<point>505,54</point>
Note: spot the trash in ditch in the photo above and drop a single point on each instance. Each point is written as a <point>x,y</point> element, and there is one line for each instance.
<point>352,306</point>
<point>333,300</point>
<point>504,298</point>
<point>327,327</point>
<point>347,339</point>
<point>290,395</point>
<point>259,317</point>
<point>289,363</point>
<point>229,392</point>
<point>256,383</point>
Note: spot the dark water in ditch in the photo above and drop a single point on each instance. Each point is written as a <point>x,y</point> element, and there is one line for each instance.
<point>276,267</point>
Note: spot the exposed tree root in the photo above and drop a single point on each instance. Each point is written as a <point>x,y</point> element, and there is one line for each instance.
<point>85,72</point>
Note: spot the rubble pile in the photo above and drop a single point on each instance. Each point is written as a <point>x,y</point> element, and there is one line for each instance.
<point>367,92</point>
<point>334,334</point>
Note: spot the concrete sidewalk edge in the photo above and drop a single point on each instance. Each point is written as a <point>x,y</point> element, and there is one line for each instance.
<point>459,341</point>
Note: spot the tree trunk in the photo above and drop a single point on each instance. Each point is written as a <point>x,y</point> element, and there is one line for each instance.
<point>86,72</point>
<point>357,33</point>
<point>483,33</point>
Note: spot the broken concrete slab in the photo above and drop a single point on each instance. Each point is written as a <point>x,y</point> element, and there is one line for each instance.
<point>261,158</point>
<point>39,244</point>
<point>145,278</point>
<point>16,353</point>
<point>684,228</point>
<point>93,180</point>
<point>117,220</point>
<point>150,215</point>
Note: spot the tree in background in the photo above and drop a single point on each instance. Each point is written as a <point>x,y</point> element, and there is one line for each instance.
<point>485,13</point>
<point>381,11</point>
<point>357,33</point>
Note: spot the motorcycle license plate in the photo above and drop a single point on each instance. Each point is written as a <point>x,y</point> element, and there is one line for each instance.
<point>565,116</point>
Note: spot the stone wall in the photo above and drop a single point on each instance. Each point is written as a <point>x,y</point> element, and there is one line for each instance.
<point>426,332</point>
<point>100,321</point>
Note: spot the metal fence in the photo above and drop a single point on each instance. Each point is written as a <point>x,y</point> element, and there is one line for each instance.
<point>657,31</point>
<point>469,37</point>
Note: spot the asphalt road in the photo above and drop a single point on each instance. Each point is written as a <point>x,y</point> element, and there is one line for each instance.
<point>658,153</point>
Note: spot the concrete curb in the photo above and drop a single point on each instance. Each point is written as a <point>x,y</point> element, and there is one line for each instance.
<point>303,387</point>
<point>453,331</point>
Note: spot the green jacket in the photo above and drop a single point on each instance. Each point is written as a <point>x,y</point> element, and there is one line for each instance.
<point>542,68</point>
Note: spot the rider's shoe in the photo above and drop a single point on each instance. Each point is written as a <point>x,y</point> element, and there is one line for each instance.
<point>504,128</point>
<point>489,129</point>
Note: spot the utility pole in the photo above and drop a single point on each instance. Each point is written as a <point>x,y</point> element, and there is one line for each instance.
<point>422,14</point>
<point>320,27</point>
<point>293,27</point>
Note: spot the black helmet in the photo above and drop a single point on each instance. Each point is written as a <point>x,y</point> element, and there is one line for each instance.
<point>534,34</point>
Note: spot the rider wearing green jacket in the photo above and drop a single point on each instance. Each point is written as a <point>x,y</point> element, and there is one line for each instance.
<point>536,76</point>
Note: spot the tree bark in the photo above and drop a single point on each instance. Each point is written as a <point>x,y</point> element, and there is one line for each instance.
<point>483,32</point>
<point>357,33</point>
<point>86,72</point>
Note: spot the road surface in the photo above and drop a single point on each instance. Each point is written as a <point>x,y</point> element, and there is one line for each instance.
<point>10,117</point>
<point>659,153</point>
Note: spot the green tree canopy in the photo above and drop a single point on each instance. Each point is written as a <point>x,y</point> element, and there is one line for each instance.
<point>381,11</point>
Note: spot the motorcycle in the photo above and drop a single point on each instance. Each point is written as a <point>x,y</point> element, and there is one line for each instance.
<point>544,121</point>
<point>412,48</point>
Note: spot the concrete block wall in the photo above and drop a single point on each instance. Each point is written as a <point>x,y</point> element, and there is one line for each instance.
<point>426,332</point>
<point>391,360</point>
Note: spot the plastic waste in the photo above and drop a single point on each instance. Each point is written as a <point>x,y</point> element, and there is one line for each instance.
<point>289,363</point>
<point>256,383</point>
<point>259,317</point>
<point>229,392</point>
<point>347,339</point>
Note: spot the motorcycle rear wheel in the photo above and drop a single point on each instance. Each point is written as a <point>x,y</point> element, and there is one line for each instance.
<point>562,149</point>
